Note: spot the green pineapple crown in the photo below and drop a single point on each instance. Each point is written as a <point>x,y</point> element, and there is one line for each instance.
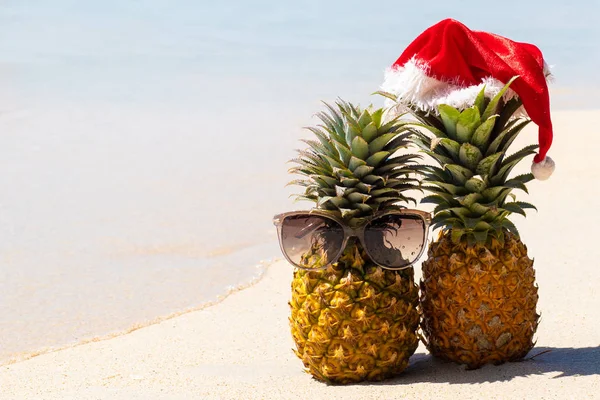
<point>472,187</point>
<point>352,169</point>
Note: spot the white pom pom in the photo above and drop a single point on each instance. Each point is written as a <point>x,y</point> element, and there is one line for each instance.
<point>543,169</point>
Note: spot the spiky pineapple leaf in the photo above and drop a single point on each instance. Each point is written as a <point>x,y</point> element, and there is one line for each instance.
<point>325,143</point>
<point>376,116</point>
<point>479,209</point>
<point>436,173</point>
<point>403,160</point>
<point>432,129</point>
<point>482,226</point>
<point>342,173</point>
<point>456,235</point>
<point>492,107</point>
<point>348,213</point>
<point>450,117</point>
<point>344,152</point>
<point>440,159</point>
<point>299,182</point>
<point>349,182</point>
<point>445,222</point>
<point>375,159</point>
<point>525,205</point>
<point>525,177</point>
<point>480,101</point>
<point>319,148</point>
<point>449,198</point>
<point>385,190</point>
<point>365,119</point>
<point>501,199</point>
<point>433,199</point>
<point>392,125</point>
<point>333,162</point>
<point>379,143</point>
<point>339,202</point>
<point>515,184</point>
<point>300,197</point>
<point>387,95</point>
<point>360,148</point>
<point>469,199</point>
<point>486,166</point>
<point>449,188</point>
<point>508,112</point>
<point>514,208</point>
<point>356,197</point>
<point>459,173</point>
<point>481,236</point>
<point>469,156</point>
<point>355,162</point>
<point>322,191</point>
<point>399,142</point>
<point>475,185</point>
<point>324,180</point>
<point>507,166</point>
<point>442,207</point>
<point>355,112</point>
<point>362,171</point>
<point>451,146</point>
<point>468,121</point>
<point>426,118</point>
<point>503,141</point>
<point>341,191</point>
<point>369,132</point>
<point>511,227</point>
<point>373,180</point>
<point>519,155</point>
<point>492,194</point>
<point>482,135</point>
<point>422,142</point>
<point>352,131</point>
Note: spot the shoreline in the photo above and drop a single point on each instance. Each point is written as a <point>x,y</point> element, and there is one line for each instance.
<point>27,355</point>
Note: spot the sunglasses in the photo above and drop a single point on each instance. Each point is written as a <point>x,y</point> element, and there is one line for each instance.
<point>313,240</point>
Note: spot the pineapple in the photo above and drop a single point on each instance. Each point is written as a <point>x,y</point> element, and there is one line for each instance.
<point>354,320</point>
<point>478,291</point>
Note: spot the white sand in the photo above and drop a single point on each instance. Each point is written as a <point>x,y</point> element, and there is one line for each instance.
<point>241,348</point>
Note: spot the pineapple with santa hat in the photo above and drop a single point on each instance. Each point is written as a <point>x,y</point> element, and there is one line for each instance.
<point>473,92</point>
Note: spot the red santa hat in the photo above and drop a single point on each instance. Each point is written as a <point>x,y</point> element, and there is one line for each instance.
<point>450,64</point>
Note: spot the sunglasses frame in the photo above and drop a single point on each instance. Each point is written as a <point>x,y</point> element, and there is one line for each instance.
<point>349,233</point>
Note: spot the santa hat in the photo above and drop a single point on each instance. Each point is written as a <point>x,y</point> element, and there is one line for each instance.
<point>450,64</point>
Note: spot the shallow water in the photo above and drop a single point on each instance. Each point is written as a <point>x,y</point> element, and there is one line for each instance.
<point>143,144</point>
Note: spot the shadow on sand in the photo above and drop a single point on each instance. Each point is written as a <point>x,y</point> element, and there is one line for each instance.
<point>561,362</point>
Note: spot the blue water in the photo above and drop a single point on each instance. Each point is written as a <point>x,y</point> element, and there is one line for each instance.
<point>143,143</point>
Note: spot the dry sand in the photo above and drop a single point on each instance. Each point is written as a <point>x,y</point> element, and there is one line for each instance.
<point>241,348</point>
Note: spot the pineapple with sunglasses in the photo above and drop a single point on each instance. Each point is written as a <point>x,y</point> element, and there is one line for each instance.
<point>478,291</point>
<point>354,305</point>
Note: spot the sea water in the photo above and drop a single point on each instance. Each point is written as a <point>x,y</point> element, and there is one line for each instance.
<point>143,143</point>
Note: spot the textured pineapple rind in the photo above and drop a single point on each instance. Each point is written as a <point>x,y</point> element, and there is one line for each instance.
<point>354,321</point>
<point>479,302</point>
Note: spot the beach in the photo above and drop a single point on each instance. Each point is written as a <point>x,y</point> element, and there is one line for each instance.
<point>143,154</point>
<point>143,149</point>
<point>240,348</point>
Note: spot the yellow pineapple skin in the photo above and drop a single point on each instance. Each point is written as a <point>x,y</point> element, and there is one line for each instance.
<point>354,321</point>
<point>479,302</point>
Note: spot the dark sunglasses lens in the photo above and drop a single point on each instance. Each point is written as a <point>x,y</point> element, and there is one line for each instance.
<point>395,241</point>
<point>311,241</point>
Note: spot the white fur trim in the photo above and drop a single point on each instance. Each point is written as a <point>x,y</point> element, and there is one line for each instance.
<point>543,169</point>
<point>548,72</point>
<point>411,84</point>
